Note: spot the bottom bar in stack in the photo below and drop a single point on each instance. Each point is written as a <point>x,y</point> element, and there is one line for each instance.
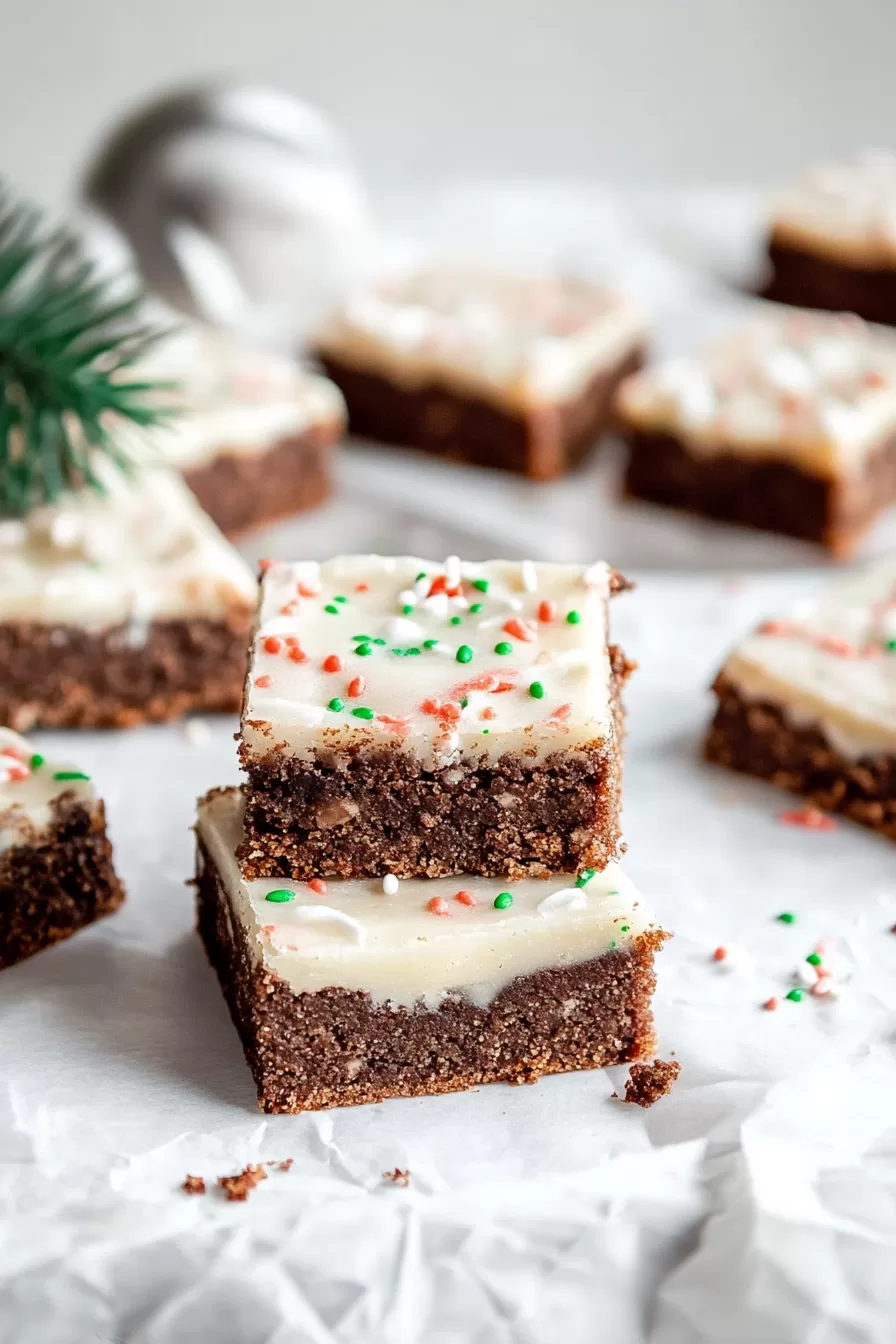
<point>348,992</point>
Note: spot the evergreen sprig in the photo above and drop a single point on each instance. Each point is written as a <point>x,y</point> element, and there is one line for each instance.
<point>67,344</point>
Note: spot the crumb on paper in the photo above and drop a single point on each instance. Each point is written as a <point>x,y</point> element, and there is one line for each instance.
<point>238,1187</point>
<point>398,1177</point>
<point>285,1165</point>
<point>193,1185</point>
<point>646,1083</point>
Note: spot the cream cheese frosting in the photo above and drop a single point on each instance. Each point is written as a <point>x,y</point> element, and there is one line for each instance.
<point>417,941</point>
<point>29,785</point>
<point>516,340</point>
<point>843,211</point>
<point>816,389</point>
<point>234,399</point>
<point>142,550</point>
<point>452,660</point>
<point>831,663</point>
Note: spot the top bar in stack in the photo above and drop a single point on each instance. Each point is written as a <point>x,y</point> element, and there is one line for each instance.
<point>425,719</point>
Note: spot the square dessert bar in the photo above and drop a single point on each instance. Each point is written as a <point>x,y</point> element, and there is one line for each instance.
<point>423,719</point>
<point>56,872</point>
<point>121,607</point>
<point>255,440</point>
<point>787,424</point>
<point>354,991</point>
<point>832,241</point>
<point>808,702</point>
<point>502,371</point>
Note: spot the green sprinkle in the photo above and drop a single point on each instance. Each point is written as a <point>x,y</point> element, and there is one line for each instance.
<point>399,653</point>
<point>585,877</point>
<point>572,618</point>
<point>70,774</point>
<point>503,647</point>
<point>363,639</point>
<point>430,643</point>
<point>464,654</point>
<point>421,575</point>
<point>413,652</point>
<point>624,928</point>
<point>475,608</point>
<point>279,895</point>
<point>481,585</point>
<point>485,730</point>
<point>340,599</point>
<point>378,641</point>
<point>795,996</point>
<point>455,620</point>
<point>362,712</point>
<point>536,690</point>
<point>407,609</point>
<point>503,900</point>
<point>814,959</point>
<point>786,917</point>
<point>363,650</point>
<point>334,611</point>
<point>464,702</point>
<point>336,704</point>
<point>36,761</point>
<point>890,646</point>
<point>611,945</point>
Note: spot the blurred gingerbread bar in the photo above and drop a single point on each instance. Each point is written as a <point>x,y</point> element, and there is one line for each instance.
<point>255,440</point>
<point>787,424</point>
<point>498,370</point>
<point>120,607</point>
<point>808,701</point>
<point>56,872</point>
<point>832,241</point>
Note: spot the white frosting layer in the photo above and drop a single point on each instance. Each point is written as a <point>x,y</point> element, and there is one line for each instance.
<point>396,947</point>
<point>816,389</point>
<point>28,787</point>
<point>446,669</point>
<point>234,399</point>
<point>832,663</point>
<point>141,551</point>
<point>519,341</point>
<point>844,211</point>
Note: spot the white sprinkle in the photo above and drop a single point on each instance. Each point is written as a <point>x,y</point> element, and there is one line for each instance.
<point>514,603</point>
<point>390,884</point>
<point>407,598</point>
<point>197,732</point>
<point>452,571</point>
<point>572,897</point>
<point>490,623</point>
<point>529,576</point>
<point>458,603</point>
<point>443,648</point>
<point>327,914</point>
<point>804,974</point>
<point>437,605</point>
<point>422,586</point>
<point>399,630</point>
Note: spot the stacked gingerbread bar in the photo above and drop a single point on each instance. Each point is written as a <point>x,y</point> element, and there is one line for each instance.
<point>418,891</point>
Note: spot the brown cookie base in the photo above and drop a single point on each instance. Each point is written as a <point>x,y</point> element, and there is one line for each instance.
<point>773,496</point>
<point>541,443</point>
<point>756,738</point>
<point>63,881</point>
<point>378,811</point>
<point>336,1048</point>
<point>807,280</point>
<point>242,491</point>
<point>67,677</point>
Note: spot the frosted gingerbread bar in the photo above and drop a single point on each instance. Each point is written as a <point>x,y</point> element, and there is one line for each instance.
<point>808,701</point>
<point>255,436</point>
<point>424,719</point>
<point>832,241</point>
<point>786,424</point>
<point>499,370</point>
<point>346,992</point>
<point>121,607</point>
<point>56,872</point>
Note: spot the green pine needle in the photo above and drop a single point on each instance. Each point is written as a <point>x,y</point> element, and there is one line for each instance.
<point>67,342</point>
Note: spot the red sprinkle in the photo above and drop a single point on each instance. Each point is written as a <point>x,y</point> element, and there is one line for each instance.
<point>809,817</point>
<point>306,591</point>
<point>466,898</point>
<point>431,706</point>
<point>272,644</point>
<point>362,587</point>
<point>520,630</point>
<point>438,585</point>
<point>269,928</point>
<point>297,655</point>
<point>547,610</point>
<point>318,886</point>
<point>439,906</point>
<point>356,687</point>
<point>332,663</point>
<point>450,713</point>
<point>289,609</point>
<point>263,682</point>
<point>488,713</point>
<point>770,1005</point>
<point>873,379</point>
<point>17,772</point>
<point>720,954</point>
<point>291,642</point>
<point>562,712</point>
<point>264,565</point>
<point>397,725</point>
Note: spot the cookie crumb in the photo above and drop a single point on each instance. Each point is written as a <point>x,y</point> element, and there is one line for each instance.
<point>398,1177</point>
<point>238,1187</point>
<point>193,1185</point>
<point>646,1083</point>
<point>286,1165</point>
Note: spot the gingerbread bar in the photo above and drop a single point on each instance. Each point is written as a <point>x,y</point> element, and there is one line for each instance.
<point>502,371</point>
<point>255,440</point>
<point>832,242</point>
<point>788,424</point>
<point>120,608</point>
<point>422,719</point>
<point>808,701</point>
<point>56,873</point>
<point>354,991</point>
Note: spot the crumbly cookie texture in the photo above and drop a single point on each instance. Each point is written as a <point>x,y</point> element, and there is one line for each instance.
<point>817,390</point>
